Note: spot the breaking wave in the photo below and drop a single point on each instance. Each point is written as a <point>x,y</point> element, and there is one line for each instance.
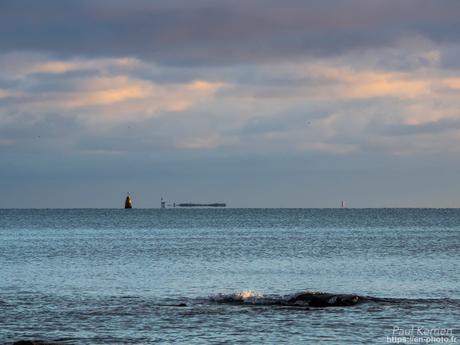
<point>300,299</point>
<point>316,299</point>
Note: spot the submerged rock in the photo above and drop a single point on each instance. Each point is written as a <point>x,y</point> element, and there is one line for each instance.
<point>304,299</point>
<point>174,305</point>
<point>319,299</point>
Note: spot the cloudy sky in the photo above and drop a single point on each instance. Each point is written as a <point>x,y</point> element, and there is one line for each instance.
<point>255,103</point>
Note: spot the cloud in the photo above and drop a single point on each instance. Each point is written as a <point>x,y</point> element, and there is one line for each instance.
<point>208,141</point>
<point>316,105</point>
<point>5,93</point>
<point>109,93</point>
<point>188,33</point>
<point>361,84</point>
<point>432,127</point>
<point>23,64</point>
<point>351,110</point>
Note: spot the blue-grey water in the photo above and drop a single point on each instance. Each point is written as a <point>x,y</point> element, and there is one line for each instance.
<point>113,276</point>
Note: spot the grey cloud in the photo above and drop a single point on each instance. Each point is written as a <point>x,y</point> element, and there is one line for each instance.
<point>450,57</point>
<point>433,127</point>
<point>210,32</point>
<point>294,119</point>
<point>26,131</point>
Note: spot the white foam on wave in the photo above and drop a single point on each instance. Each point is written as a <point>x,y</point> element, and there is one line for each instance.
<point>245,296</point>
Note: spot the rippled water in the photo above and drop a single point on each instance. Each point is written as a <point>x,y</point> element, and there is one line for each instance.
<point>148,276</point>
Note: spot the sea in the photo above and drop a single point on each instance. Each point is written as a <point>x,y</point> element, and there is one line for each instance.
<point>229,276</point>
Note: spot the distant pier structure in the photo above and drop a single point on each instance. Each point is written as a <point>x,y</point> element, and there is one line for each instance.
<point>128,202</point>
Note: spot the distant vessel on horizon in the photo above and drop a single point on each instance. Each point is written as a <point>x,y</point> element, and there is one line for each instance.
<point>189,204</point>
<point>128,202</point>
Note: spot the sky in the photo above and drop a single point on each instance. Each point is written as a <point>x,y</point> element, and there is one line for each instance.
<point>254,103</point>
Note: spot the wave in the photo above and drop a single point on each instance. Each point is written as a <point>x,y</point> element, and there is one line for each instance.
<point>314,299</point>
<point>300,299</point>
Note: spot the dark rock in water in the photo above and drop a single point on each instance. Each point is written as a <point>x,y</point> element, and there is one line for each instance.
<point>173,305</point>
<point>318,299</point>
<point>33,342</point>
<point>302,300</point>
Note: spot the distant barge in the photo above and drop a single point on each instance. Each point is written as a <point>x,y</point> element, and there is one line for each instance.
<point>200,205</point>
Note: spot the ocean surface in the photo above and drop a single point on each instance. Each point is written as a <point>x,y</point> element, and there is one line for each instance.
<point>225,276</point>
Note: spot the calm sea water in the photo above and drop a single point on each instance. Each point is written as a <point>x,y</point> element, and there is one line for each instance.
<point>123,276</point>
